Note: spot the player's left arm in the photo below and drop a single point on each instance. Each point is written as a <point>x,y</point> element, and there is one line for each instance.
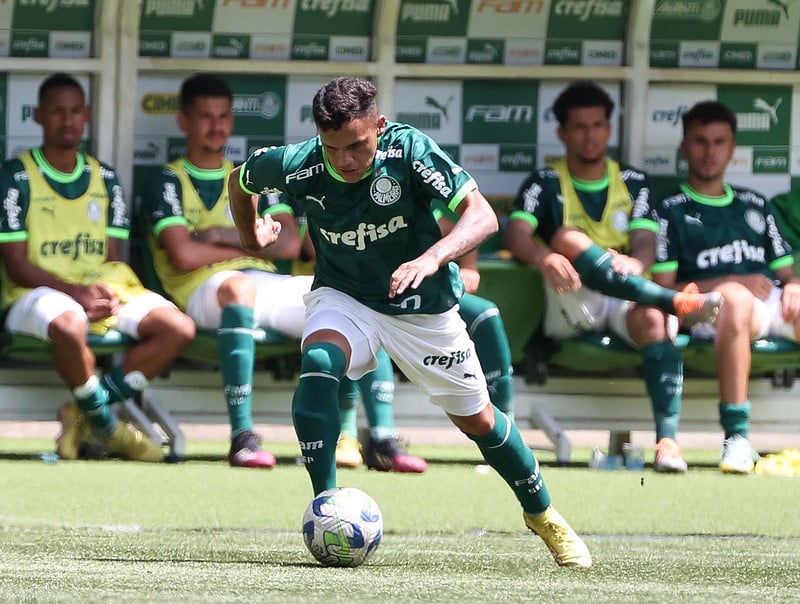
<point>477,222</point>
<point>468,263</point>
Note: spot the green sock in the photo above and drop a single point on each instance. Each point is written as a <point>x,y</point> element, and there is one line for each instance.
<point>504,450</point>
<point>594,267</point>
<point>662,370</point>
<point>485,326</point>
<point>315,411</point>
<point>735,419</point>
<point>118,389</point>
<point>377,390</point>
<point>236,356</point>
<point>92,398</point>
<point>348,407</point>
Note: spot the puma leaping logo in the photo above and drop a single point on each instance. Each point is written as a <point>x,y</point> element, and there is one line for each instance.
<point>782,4</point>
<point>432,102</point>
<point>772,110</point>
<point>319,200</point>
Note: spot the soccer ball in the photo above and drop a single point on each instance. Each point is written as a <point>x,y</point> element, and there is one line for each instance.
<point>342,527</point>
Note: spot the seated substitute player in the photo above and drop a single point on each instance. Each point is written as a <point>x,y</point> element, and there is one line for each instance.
<point>197,256</point>
<point>598,229</point>
<point>725,239</point>
<point>64,221</point>
<point>384,278</point>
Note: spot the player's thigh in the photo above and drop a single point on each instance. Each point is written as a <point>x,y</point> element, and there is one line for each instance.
<point>279,301</point>
<point>203,305</point>
<point>329,309</point>
<point>35,310</point>
<point>436,354</point>
<point>131,313</point>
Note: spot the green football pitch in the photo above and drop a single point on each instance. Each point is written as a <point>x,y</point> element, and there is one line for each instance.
<point>200,531</point>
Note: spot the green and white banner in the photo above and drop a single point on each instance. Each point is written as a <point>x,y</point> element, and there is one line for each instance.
<point>768,138</point>
<point>512,32</point>
<point>500,131</point>
<point>312,30</point>
<point>742,34</point>
<point>46,28</point>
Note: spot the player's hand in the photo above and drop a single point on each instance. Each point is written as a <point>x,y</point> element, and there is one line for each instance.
<point>265,232</point>
<point>790,302</point>
<point>471,279</point>
<point>625,265</point>
<point>98,300</point>
<point>411,274</point>
<point>559,273</point>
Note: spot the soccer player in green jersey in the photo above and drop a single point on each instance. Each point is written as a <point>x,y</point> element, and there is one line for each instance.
<point>64,221</point>
<point>586,220</point>
<point>384,278</point>
<point>201,265</point>
<point>725,239</point>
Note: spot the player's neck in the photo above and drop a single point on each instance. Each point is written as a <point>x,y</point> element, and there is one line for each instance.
<point>709,188</point>
<point>204,160</point>
<point>589,171</point>
<point>63,160</point>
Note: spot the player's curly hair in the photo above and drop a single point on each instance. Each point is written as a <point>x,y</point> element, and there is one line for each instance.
<point>203,84</point>
<point>579,95</point>
<point>708,112</point>
<point>343,100</point>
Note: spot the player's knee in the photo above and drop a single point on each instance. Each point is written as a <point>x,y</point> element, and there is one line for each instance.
<point>323,357</point>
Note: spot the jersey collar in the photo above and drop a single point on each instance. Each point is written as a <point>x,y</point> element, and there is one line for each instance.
<point>57,175</point>
<point>710,200</point>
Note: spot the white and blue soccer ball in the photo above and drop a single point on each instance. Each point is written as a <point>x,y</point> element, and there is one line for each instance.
<point>342,527</point>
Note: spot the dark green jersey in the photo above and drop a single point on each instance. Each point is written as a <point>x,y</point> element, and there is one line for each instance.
<point>363,231</point>
<point>540,202</point>
<point>706,237</point>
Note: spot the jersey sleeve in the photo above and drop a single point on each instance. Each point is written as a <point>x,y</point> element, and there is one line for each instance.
<point>529,203</point>
<point>779,251</point>
<point>14,208</point>
<point>162,206</point>
<point>644,214</point>
<point>262,172</point>
<point>119,220</point>
<point>666,243</point>
<point>274,204</point>
<point>435,173</point>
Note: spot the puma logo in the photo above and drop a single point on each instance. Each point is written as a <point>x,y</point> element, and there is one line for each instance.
<point>319,200</point>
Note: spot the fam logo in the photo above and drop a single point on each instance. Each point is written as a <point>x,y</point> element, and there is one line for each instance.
<point>762,119</point>
<point>385,190</point>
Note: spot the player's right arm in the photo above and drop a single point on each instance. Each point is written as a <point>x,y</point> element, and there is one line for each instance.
<point>520,239</point>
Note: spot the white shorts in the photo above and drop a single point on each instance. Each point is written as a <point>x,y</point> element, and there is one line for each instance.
<point>279,301</point>
<point>433,351</point>
<point>568,315</point>
<point>36,309</point>
<point>769,311</point>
